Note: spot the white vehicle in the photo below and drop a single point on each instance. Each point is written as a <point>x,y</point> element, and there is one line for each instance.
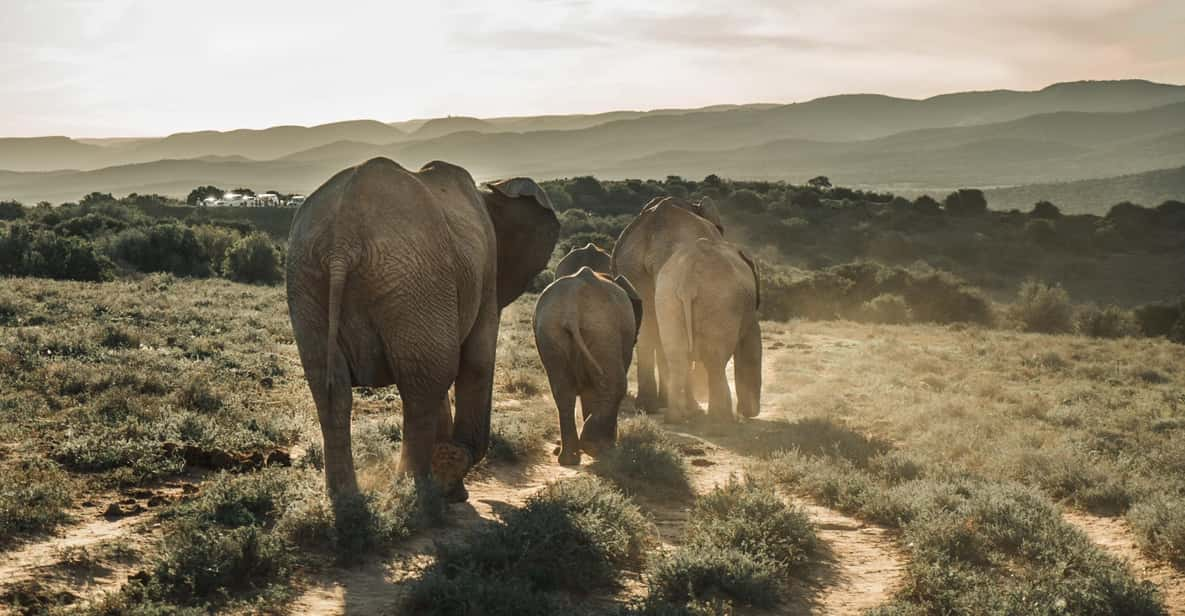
<point>295,201</point>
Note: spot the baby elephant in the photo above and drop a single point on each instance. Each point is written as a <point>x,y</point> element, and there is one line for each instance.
<point>585,328</point>
<point>590,255</point>
<point>706,298</point>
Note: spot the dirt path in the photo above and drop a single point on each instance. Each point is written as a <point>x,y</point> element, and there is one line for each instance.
<point>377,587</point>
<point>1116,537</point>
<point>81,561</point>
<point>860,565</point>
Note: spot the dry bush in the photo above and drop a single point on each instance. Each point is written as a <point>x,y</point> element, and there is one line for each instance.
<point>1042,308</point>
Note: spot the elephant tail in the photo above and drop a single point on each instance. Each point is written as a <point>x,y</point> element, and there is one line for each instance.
<point>597,371</point>
<point>338,269</point>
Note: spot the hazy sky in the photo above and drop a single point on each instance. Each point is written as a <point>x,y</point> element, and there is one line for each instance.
<point>149,67</point>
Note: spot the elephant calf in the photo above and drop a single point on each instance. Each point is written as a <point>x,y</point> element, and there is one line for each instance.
<point>590,256</point>
<point>585,328</point>
<point>706,300</point>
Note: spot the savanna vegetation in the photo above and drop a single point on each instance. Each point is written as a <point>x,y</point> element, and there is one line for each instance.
<point>961,377</point>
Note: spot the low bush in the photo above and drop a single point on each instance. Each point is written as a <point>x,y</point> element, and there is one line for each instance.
<point>1157,320</point>
<point>1159,523</point>
<point>33,497</point>
<point>1109,322</point>
<point>1042,308</point>
<point>573,535</point>
<point>163,247</point>
<point>254,259</point>
<point>752,518</point>
<point>690,574</point>
<point>644,460</point>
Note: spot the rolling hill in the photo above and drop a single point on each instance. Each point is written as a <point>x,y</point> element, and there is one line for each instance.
<point>1095,196</point>
<point>1064,132</point>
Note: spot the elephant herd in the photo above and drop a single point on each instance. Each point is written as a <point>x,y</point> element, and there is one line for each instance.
<point>398,277</point>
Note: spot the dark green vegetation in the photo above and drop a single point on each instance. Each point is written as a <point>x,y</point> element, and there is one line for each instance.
<point>127,382</point>
<point>1067,131</point>
<point>235,546</point>
<point>742,538</point>
<point>573,536</point>
<point>644,461</point>
<point>101,237</point>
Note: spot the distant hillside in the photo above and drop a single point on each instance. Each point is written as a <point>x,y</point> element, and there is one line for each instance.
<point>1095,196</point>
<point>604,140</point>
<point>42,153</point>
<point>1062,145</point>
<point>440,127</point>
<point>1064,132</point>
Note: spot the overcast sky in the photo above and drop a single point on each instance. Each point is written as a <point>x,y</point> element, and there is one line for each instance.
<point>152,67</point>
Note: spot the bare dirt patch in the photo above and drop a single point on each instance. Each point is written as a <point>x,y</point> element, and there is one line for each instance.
<point>1115,537</point>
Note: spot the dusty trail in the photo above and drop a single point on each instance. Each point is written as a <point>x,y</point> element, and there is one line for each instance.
<point>1115,537</point>
<point>861,565</point>
<point>377,587</point>
<point>83,560</point>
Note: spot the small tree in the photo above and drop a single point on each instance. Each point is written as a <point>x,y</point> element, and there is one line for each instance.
<point>253,259</point>
<point>926,204</point>
<point>96,198</point>
<point>200,193</point>
<point>1043,309</point>
<point>247,192</point>
<point>966,202</point>
<point>746,200</point>
<point>819,182</point>
<point>1046,210</point>
<point>11,210</point>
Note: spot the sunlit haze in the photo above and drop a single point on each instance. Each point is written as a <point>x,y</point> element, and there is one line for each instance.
<point>131,68</point>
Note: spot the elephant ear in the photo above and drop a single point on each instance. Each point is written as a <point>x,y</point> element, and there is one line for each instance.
<point>635,301</point>
<point>708,210</point>
<point>526,228</point>
<point>515,188</point>
<point>756,274</point>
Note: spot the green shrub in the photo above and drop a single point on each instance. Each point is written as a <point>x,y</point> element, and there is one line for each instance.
<point>254,259</point>
<point>1157,320</point>
<point>578,240</point>
<point>200,563</point>
<point>26,250</point>
<point>118,337</point>
<point>573,535</point>
<point>163,247</point>
<point>11,210</point>
<point>1042,308</point>
<point>352,528</point>
<point>1109,322</point>
<point>644,460</point>
<point>941,297</point>
<point>34,494</point>
<point>752,518</point>
<point>691,574</point>
<point>1041,232</point>
<point>96,449</point>
<point>1159,524</point>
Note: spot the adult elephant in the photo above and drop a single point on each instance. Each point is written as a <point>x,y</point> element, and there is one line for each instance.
<point>706,300</point>
<point>399,277</point>
<point>590,255</point>
<point>642,249</point>
<point>585,328</point>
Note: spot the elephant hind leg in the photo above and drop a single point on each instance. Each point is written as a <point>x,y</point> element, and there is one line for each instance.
<point>334,400</point>
<point>720,398</point>
<point>747,370</point>
<point>563,382</point>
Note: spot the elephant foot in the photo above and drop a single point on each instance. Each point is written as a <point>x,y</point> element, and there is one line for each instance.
<point>457,493</point>
<point>595,447</point>
<point>569,459</point>
<point>450,463</point>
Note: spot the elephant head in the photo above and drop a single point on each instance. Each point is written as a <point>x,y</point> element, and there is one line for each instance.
<point>704,208</point>
<point>635,301</point>
<point>707,209</point>
<point>527,229</point>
